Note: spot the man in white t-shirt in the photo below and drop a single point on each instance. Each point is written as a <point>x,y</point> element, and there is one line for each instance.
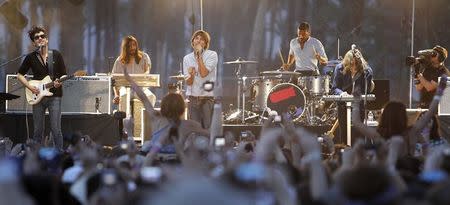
<point>201,67</point>
<point>135,61</point>
<point>306,52</point>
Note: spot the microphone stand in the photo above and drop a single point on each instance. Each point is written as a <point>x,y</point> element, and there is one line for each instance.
<point>365,100</point>
<point>17,58</point>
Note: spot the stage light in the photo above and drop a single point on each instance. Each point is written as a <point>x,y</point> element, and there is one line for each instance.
<point>10,11</point>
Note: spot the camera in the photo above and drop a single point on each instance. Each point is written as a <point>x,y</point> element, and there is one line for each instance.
<point>424,57</point>
<point>208,86</point>
<point>219,142</point>
<point>48,154</point>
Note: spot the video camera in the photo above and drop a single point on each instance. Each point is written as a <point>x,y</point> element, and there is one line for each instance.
<point>424,57</point>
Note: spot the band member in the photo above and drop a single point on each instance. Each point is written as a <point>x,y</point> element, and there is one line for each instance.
<point>306,52</point>
<point>134,61</point>
<point>354,73</point>
<point>429,70</point>
<point>201,67</point>
<point>44,62</point>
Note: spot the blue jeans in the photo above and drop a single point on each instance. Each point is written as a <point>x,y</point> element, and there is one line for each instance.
<point>54,109</point>
<point>201,110</point>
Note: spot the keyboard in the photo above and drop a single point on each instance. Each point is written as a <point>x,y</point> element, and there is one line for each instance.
<point>346,98</point>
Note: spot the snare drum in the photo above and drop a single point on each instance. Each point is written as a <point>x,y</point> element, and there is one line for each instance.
<point>287,98</point>
<point>260,91</point>
<point>315,85</point>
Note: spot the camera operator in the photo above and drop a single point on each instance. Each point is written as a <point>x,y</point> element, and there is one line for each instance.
<point>428,67</point>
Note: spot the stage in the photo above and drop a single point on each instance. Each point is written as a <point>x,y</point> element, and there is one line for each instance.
<point>103,128</point>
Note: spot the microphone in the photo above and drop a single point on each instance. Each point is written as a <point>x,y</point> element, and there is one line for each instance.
<point>353,47</point>
<point>38,48</point>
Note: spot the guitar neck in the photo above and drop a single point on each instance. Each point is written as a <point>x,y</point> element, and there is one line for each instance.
<point>51,84</point>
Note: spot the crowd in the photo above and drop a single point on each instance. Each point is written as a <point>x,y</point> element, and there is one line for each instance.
<point>284,164</point>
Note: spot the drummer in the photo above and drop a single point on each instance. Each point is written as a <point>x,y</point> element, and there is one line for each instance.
<point>306,52</point>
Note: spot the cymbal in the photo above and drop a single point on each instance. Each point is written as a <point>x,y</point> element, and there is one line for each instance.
<point>276,72</point>
<point>333,63</point>
<point>240,61</point>
<point>178,77</point>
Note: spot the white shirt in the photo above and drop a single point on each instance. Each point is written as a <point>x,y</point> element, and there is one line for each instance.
<point>210,60</point>
<point>133,67</point>
<point>305,59</point>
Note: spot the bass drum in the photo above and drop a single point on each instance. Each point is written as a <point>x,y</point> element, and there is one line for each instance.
<point>260,91</point>
<point>287,98</point>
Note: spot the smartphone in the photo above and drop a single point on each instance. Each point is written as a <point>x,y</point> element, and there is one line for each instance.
<point>109,178</point>
<point>47,153</point>
<point>219,142</point>
<point>151,174</point>
<point>320,139</point>
<point>277,119</point>
<point>244,134</point>
<point>124,145</point>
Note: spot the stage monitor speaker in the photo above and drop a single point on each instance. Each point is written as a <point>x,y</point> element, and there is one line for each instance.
<point>81,95</point>
<point>444,104</point>
<point>381,92</point>
<point>87,95</point>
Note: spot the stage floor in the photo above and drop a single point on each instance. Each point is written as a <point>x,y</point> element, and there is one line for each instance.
<point>102,128</point>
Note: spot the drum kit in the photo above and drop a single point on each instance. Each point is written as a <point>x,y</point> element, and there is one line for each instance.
<point>275,92</point>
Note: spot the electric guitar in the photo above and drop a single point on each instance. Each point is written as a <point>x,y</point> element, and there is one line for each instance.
<point>44,86</point>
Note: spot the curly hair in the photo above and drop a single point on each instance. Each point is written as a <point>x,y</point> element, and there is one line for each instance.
<point>34,30</point>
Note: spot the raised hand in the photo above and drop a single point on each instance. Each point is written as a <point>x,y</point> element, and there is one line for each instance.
<point>442,85</point>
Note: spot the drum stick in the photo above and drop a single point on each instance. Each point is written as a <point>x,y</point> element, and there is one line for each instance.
<point>281,56</point>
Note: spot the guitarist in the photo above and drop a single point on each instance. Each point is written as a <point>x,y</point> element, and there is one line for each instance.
<point>44,62</point>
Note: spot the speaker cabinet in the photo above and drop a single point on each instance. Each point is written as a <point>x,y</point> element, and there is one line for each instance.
<point>87,95</point>
<point>444,104</point>
<point>14,86</point>
<point>81,95</point>
<point>381,92</point>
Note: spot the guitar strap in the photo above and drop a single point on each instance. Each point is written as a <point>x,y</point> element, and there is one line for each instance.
<point>50,64</point>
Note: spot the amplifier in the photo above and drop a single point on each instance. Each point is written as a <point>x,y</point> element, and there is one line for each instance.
<point>14,86</point>
<point>444,104</point>
<point>81,95</point>
<point>87,95</point>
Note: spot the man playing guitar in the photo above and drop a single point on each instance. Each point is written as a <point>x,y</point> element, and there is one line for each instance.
<point>44,62</point>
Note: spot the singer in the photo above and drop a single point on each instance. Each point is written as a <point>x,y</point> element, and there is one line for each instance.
<point>427,73</point>
<point>352,75</point>
<point>201,67</point>
<point>44,62</point>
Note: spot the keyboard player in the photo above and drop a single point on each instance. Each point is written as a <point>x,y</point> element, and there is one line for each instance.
<point>353,74</point>
<point>134,61</point>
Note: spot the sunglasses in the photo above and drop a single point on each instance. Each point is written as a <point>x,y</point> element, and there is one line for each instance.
<point>40,36</point>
